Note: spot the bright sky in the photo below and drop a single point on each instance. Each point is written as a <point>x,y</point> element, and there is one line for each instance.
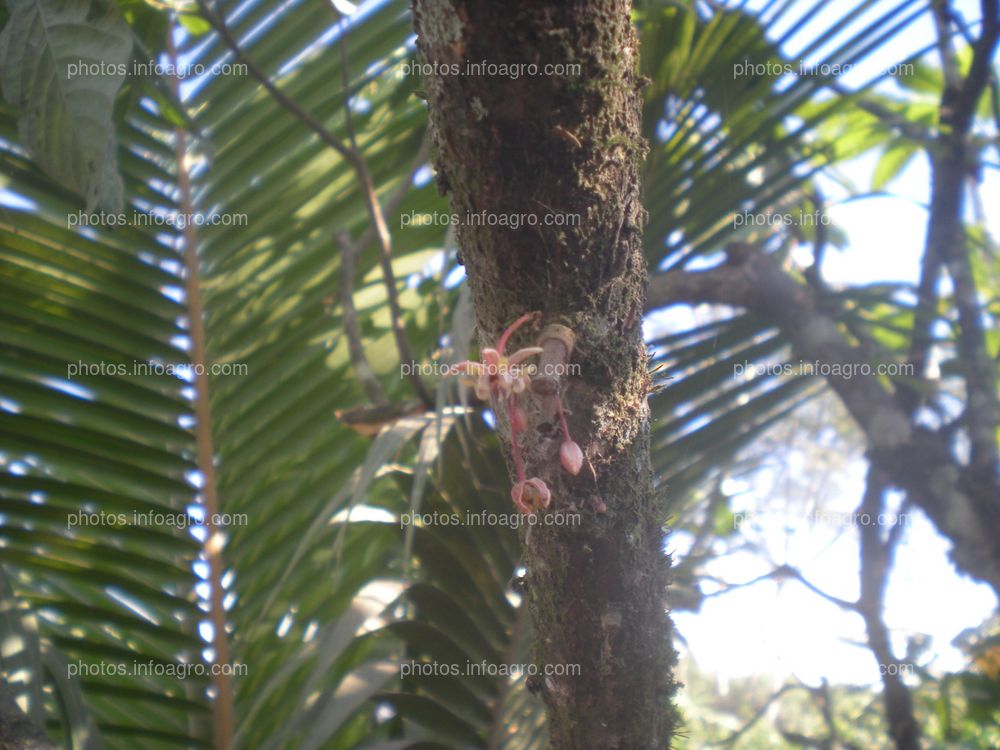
<point>785,630</point>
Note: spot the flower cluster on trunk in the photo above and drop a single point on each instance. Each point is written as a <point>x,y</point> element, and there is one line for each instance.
<point>505,381</point>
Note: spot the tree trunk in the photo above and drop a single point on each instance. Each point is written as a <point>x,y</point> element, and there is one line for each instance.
<point>563,145</point>
<point>16,730</point>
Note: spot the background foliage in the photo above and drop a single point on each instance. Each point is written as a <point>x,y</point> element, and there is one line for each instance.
<point>325,592</point>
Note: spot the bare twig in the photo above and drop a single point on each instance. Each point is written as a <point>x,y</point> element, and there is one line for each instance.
<point>354,158</point>
<point>349,315</point>
<point>779,573</point>
<point>349,253</point>
<point>380,228</point>
<point>757,716</point>
<point>842,603</point>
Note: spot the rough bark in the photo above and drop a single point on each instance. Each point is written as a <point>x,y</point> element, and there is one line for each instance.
<point>567,144</point>
<point>16,730</point>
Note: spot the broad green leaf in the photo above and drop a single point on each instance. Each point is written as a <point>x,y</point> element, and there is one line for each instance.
<point>61,65</point>
<point>893,161</point>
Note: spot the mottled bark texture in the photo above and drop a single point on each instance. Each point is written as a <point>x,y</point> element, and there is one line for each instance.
<point>566,144</point>
<point>16,730</point>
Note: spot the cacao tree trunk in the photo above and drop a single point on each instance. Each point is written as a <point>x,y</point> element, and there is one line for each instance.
<point>559,139</point>
<point>16,730</point>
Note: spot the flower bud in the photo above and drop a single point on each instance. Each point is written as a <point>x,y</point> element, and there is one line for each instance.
<point>571,457</point>
<point>518,419</point>
<point>530,495</point>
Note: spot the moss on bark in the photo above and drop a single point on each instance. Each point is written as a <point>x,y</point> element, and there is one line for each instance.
<point>566,144</point>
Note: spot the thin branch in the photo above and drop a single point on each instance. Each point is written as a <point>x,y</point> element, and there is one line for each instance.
<point>757,716</point>
<point>821,696</point>
<point>218,23</point>
<point>779,573</point>
<point>349,317</point>
<point>349,252</point>
<point>354,158</point>
<point>728,586</point>
<point>842,603</point>
<point>381,229</point>
<point>802,740</point>
<point>979,370</point>
<point>949,161</point>
<point>941,13</point>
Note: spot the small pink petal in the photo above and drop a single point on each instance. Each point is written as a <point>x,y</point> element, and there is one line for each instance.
<point>517,495</point>
<point>530,495</point>
<point>571,457</point>
<point>522,354</point>
<point>491,357</point>
<point>502,344</point>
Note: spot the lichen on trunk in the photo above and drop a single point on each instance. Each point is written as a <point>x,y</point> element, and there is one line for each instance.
<point>556,136</point>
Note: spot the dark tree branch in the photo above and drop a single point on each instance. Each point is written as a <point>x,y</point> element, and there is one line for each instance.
<point>964,508</point>
<point>842,603</point>
<point>824,703</point>
<point>951,159</point>
<point>980,71</point>
<point>942,15</point>
<point>876,560</point>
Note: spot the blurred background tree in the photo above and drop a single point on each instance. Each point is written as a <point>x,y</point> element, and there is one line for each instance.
<point>273,484</point>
